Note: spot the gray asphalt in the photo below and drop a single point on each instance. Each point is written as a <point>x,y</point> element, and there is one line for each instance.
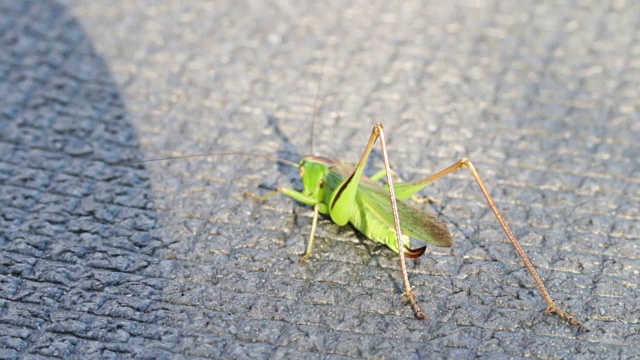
<point>103,258</point>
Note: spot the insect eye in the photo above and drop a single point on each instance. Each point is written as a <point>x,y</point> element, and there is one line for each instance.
<point>301,171</point>
<point>321,184</point>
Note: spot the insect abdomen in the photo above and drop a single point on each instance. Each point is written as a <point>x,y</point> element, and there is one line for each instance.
<point>364,221</point>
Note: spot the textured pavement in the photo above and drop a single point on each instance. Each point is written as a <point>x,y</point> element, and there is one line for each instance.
<point>106,259</point>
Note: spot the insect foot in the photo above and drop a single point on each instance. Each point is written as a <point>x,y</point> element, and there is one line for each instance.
<point>410,297</point>
<point>303,259</point>
<point>248,194</point>
<point>553,309</point>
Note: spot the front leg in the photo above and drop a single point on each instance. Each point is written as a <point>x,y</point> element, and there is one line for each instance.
<point>296,195</point>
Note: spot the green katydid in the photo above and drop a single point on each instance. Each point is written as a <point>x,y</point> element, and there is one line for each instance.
<point>341,191</point>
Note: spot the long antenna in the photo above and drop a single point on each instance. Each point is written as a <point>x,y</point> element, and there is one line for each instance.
<point>315,106</point>
<point>225,153</point>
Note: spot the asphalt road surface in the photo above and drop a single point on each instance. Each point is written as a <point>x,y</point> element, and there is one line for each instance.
<point>104,258</point>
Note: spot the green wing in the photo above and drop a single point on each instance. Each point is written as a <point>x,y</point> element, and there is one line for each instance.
<point>414,222</point>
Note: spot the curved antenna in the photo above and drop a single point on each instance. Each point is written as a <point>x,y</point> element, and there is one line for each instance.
<point>224,153</point>
<point>315,107</point>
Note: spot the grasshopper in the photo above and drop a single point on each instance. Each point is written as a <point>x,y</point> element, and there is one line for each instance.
<point>341,191</point>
